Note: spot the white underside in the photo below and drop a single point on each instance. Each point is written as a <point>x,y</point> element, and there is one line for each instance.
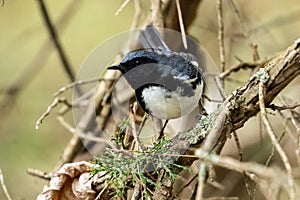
<point>170,105</point>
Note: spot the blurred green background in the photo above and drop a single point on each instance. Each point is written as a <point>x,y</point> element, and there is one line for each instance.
<point>272,25</point>
<point>21,36</point>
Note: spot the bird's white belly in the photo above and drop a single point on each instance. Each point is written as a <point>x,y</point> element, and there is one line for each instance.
<point>164,104</point>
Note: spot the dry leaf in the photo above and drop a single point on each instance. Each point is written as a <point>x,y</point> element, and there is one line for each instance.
<point>70,182</point>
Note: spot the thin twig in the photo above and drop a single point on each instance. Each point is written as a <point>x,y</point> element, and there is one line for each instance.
<point>122,7</point>
<point>238,82</point>
<point>204,96</point>
<point>283,107</point>
<point>274,175</point>
<point>80,82</point>
<point>220,87</point>
<point>259,128</point>
<point>268,160</point>
<point>38,62</point>
<point>4,186</point>
<point>133,125</point>
<point>274,140</point>
<point>182,29</point>
<point>243,65</point>
<point>246,178</point>
<point>221,35</point>
<point>201,181</point>
<point>55,102</point>
<point>296,126</point>
<point>86,136</point>
<point>136,191</point>
<point>267,163</point>
<point>245,31</point>
<point>238,145</point>
<point>39,174</point>
<point>88,121</point>
<point>55,38</point>
<point>101,192</point>
<point>286,126</point>
<point>145,118</point>
<point>79,102</point>
<point>297,151</point>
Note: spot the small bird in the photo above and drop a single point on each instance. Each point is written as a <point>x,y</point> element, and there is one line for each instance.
<point>167,84</point>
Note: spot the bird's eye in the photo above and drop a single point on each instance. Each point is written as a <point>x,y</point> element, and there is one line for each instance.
<point>137,62</point>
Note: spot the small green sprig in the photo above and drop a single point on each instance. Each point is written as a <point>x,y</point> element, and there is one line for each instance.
<point>127,168</point>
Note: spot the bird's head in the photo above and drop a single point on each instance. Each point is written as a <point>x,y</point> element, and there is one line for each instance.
<point>135,59</point>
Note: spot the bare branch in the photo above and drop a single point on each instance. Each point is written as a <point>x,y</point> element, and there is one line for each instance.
<point>39,174</point>
<point>135,134</point>
<point>55,38</point>
<point>122,7</point>
<point>55,102</point>
<point>201,181</point>
<point>182,29</point>
<point>238,67</point>
<point>273,138</point>
<point>221,34</point>
<point>87,136</point>
<point>245,30</point>
<point>283,107</point>
<point>80,82</point>
<point>220,87</point>
<point>263,172</point>
<point>38,62</point>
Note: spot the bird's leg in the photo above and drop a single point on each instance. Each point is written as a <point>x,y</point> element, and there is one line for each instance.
<point>161,133</point>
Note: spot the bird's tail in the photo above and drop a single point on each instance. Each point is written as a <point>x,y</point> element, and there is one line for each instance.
<point>151,40</point>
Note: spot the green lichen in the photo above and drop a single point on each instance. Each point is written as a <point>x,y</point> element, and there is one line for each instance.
<point>262,75</point>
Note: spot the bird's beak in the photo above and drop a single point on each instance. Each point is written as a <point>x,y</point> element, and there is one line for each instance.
<point>115,67</point>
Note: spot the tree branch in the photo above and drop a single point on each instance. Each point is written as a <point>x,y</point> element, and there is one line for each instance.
<point>240,106</point>
<point>53,34</point>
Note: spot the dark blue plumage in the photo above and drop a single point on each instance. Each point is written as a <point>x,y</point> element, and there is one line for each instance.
<point>167,84</point>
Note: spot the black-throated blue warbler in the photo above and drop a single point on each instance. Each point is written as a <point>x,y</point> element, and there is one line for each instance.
<point>167,84</point>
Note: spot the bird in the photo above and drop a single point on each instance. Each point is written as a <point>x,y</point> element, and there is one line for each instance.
<point>167,84</point>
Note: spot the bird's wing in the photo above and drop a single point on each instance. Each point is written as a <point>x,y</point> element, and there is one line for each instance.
<point>151,40</point>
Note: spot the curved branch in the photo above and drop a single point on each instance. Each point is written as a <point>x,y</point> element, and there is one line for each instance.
<point>239,107</point>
